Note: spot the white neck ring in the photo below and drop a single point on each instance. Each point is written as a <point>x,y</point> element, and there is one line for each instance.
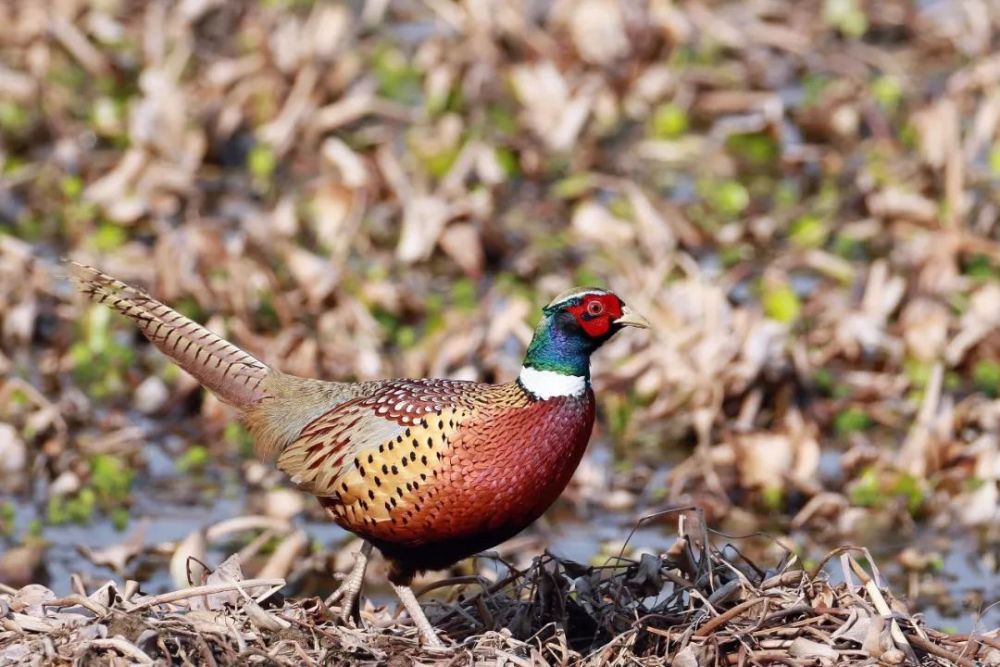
<point>550,384</point>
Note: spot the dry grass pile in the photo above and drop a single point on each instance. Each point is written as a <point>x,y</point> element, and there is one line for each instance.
<point>693,604</point>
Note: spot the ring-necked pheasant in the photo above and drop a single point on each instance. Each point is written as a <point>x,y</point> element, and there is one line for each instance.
<point>428,471</point>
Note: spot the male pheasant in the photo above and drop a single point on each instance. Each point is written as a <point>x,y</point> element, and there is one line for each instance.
<point>429,471</point>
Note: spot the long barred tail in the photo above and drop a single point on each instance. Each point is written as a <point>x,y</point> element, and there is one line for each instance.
<point>232,374</point>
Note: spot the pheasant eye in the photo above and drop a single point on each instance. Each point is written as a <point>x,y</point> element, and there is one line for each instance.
<point>595,308</point>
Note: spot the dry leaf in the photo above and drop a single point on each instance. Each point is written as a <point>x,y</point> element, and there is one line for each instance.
<point>117,556</point>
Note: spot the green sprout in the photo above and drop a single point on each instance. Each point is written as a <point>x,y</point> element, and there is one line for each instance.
<point>851,420</point>
<point>781,303</point>
<point>669,121</point>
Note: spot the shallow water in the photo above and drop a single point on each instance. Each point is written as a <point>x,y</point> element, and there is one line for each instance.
<point>969,569</point>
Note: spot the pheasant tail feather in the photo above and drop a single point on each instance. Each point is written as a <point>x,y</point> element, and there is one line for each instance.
<point>229,372</point>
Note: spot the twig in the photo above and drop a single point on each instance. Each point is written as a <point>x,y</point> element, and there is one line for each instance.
<point>126,648</point>
<point>451,581</point>
<point>78,601</point>
<point>727,616</point>
<point>878,600</point>
<point>175,596</point>
<point>989,641</point>
<point>932,648</point>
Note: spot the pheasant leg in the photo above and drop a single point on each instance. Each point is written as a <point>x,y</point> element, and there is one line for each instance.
<point>350,588</point>
<point>412,607</point>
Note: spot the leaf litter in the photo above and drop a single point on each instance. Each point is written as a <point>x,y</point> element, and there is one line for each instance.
<point>800,196</point>
<point>695,603</point>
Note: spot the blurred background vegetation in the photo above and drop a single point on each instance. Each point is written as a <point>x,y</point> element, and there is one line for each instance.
<point>801,196</point>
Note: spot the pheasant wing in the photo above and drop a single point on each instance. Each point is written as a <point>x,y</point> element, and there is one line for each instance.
<point>368,457</point>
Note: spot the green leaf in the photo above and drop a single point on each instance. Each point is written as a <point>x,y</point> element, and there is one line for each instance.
<point>438,164</point>
<point>781,303</point>
<point>669,121</point>
<point>508,161</point>
<point>71,186</point>
<point>867,491</point>
<point>501,120</point>
<point>773,498</point>
<point>935,562</point>
<point>261,162</point>
<point>918,372</point>
<point>851,420</point>
<point>813,85</point>
<point>824,381</point>
<point>463,294</point>
<point>583,275</point>
<point>727,197</point>
<point>980,267</point>
<point>120,518</point>
<point>81,508</point>
<point>846,16</point>
<point>406,337</point>
<point>55,511</point>
<point>994,159</point>
<point>194,458</point>
<point>573,186</point>
<point>986,377</point>
<point>108,237</point>
<point>809,231</point>
<point>758,148</point>
<point>6,518</point>
<point>110,477</point>
<point>397,78</point>
<point>911,489</point>
<point>887,91</point>
<point>734,254</point>
<point>13,117</point>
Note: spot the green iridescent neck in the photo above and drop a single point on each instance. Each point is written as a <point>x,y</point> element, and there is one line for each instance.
<point>554,349</point>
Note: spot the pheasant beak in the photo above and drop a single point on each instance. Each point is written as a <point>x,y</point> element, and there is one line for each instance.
<point>632,319</point>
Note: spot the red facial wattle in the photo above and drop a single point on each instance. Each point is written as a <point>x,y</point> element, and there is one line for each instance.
<point>596,313</point>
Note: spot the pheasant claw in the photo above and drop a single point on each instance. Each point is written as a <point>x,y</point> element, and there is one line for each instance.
<point>350,589</point>
<point>424,627</point>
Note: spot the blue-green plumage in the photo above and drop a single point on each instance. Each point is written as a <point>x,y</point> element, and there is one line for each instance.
<point>555,347</point>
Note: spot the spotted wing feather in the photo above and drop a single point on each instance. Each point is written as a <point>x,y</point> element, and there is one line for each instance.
<point>369,457</point>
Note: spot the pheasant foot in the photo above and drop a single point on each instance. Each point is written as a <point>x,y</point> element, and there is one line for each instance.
<point>350,589</point>
<point>412,607</point>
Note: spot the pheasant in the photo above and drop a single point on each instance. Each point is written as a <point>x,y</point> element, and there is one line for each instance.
<point>428,471</point>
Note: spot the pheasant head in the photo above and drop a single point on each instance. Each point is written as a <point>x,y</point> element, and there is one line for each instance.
<point>573,326</point>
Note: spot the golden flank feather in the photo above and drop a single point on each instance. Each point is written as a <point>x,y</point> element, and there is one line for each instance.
<point>371,465</point>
